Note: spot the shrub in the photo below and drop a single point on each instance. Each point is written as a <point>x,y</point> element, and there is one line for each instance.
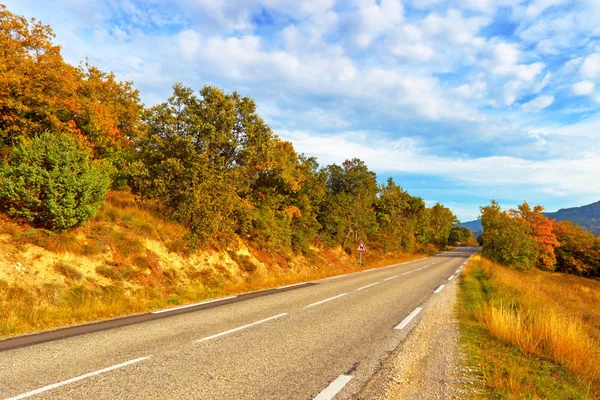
<point>52,182</point>
<point>68,271</point>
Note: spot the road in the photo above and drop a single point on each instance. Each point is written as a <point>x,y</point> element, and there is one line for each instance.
<point>302,342</point>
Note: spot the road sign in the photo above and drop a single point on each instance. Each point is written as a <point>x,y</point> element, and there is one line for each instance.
<point>361,247</point>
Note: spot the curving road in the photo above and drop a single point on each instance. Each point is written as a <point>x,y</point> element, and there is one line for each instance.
<point>316,340</point>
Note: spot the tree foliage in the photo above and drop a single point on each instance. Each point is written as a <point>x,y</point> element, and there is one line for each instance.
<point>578,252</point>
<point>40,92</point>
<point>52,182</point>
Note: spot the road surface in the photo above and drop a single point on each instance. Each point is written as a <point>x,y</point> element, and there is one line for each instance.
<point>308,341</point>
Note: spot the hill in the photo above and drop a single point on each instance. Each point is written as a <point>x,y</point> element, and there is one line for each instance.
<point>586,216</point>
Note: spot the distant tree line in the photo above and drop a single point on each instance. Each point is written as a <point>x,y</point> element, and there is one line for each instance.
<point>68,134</point>
<point>525,238</point>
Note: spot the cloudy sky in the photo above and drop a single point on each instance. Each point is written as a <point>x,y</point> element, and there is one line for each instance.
<point>460,101</point>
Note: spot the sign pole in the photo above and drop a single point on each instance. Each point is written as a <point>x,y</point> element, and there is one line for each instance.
<point>360,260</point>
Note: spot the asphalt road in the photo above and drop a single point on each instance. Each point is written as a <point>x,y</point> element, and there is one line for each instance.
<point>303,342</point>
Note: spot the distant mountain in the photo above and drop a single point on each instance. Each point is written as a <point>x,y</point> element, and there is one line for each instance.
<point>474,226</point>
<point>586,216</point>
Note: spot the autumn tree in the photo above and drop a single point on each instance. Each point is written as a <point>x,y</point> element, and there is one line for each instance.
<point>540,229</point>
<point>40,92</point>
<point>460,235</point>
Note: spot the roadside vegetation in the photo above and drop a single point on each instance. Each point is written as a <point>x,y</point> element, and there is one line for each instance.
<point>531,334</point>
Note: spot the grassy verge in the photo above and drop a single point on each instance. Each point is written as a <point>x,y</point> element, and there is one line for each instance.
<point>129,259</point>
<point>533,335</point>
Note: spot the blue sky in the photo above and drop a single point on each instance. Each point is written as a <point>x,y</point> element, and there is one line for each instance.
<point>460,101</point>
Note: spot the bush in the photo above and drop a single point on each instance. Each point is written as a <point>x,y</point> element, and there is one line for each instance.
<point>52,182</point>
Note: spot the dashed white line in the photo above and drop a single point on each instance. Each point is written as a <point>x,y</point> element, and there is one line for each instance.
<point>326,300</point>
<point>457,271</point>
<point>390,278</point>
<point>452,277</point>
<point>240,328</point>
<point>410,317</point>
<point>368,286</point>
<point>334,387</point>
<point>192,305</point>
<point>406,273</point>
<point>439,289</point>
<point>295,284</point>
<point>77,378</point>
<point>418,269</point>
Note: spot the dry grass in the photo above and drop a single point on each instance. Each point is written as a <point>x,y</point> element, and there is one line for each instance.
<point>549,318</point>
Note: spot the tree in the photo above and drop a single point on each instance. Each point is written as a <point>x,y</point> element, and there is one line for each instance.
<point>540,229</point>
<point>507,239</point>
<point>40,92</point>
<point>460,235</point>
<point>578,251</point>
<point>348,208</point>
<point>441,221</point>
<point>52,182</point>
<point>202,156</point>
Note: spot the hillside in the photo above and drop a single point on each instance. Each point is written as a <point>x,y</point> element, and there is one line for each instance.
<point>129,259</point>
<point>586,216</point>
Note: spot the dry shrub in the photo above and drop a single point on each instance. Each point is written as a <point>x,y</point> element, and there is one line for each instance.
<point>67,271</point>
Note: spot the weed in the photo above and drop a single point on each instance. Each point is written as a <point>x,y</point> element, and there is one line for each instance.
<point>67,271</point>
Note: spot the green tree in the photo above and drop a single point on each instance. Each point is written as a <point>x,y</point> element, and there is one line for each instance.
<point>460,235</point>
<point>52,182</point>
<point>578,252</point>
<point>348,209</point>
<point>201,157</point>
<point>506,238</point>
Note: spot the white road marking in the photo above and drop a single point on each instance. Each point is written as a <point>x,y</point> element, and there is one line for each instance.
<point>77,378</point>
<point>240,328</point>
<point>295,284</point>
<point>410,317</point>
<point>390,278</point>
<point>418,269</point>
<point>406,273</point>
<point>192,305</point>
<point>452,277</point>
<point>326,300</point>
<point>457,271</point>
<point>334,387</point>
<point>439,289</point>
<point>372,284</point>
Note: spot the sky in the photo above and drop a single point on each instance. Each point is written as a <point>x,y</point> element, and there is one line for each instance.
<point>459,101</point>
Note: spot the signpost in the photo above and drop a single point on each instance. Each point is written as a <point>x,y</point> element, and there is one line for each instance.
<point>361,249</point>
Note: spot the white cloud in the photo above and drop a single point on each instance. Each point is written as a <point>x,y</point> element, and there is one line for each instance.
<point>583,88</point>
<point>539,103</point>
<point>539,6</point>
<point>372,18</point>
<point>591,66</point>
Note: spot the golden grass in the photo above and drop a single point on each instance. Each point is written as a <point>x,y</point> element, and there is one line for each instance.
<point>546,316</point>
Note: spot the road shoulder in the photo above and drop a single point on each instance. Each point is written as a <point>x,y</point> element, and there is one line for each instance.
<point>426,365</point>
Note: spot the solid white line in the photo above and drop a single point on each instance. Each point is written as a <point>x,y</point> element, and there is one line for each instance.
<point>295,284</point>
<point>334,387</point>
<point>323,301</point>
<point>333,277</point>
<point>452,277</point>
<point>240,328</point>
<point>390,278</point>
<point>192,305</point>
<point>77,378</point>
<point>410,317</point>
<point>372,284</point>
<point>439,289</point>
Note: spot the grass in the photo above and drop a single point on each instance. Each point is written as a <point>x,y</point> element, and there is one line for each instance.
<point>531,334</point>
